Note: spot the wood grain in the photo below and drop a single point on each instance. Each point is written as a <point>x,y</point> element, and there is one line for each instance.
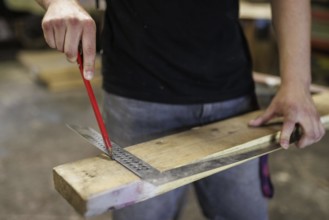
<point>94,185</point>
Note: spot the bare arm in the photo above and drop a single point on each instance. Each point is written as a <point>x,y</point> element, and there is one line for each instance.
<point>291,19</point>
<point>64,25</point>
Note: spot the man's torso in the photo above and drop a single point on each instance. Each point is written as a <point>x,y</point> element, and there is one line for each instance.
<point>175,51</point>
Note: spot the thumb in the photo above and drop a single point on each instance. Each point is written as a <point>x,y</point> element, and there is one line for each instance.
<point>262,119</point>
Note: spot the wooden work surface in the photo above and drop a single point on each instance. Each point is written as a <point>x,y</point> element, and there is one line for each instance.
<point>94,185</point>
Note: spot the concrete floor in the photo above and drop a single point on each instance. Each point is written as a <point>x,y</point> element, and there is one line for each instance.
<point>34,139</point>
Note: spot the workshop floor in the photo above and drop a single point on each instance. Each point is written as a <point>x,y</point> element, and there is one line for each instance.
<point>34,139</point>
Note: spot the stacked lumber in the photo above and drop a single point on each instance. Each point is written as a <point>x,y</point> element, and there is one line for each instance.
<point>50,68</point>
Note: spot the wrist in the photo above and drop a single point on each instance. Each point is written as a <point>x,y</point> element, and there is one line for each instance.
<point>46,3</point>
<point>295,87</point>
<point>296,76</point>
<point>296,82</point>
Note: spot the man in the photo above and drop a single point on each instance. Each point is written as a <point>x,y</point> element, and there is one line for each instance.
<point>170,65</point>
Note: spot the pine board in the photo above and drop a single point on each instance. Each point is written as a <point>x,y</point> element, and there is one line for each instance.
<point>95,185</point>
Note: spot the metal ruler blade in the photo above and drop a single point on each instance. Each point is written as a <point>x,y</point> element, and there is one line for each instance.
<point>211,164</point>
<point>130,161</point>
<point>150,174</point>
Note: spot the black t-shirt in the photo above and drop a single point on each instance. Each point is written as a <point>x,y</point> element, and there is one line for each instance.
<point>175,51</point>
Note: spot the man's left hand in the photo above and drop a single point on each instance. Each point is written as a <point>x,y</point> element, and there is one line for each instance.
<point>296,106</point>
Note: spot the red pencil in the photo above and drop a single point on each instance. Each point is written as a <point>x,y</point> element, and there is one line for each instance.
<point>94,104</point>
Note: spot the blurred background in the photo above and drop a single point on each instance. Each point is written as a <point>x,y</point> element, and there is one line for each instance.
<point>40,92</point>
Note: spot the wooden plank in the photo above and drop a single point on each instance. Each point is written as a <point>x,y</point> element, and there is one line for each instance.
<point>53,70</point>
<point>65,85</point>
<point>94,185</point>
<point>275,81</point>
<point>255,11</point>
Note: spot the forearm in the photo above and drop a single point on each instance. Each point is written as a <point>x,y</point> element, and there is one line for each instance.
<point>45,3</point>
<point>291,21</point>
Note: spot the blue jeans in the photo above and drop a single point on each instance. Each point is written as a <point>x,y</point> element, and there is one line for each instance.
<point>234,194</point>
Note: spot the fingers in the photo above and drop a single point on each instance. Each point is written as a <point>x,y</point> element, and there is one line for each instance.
<point>72,39</point>
<point>59,30</point>
<point>89,49</point>
<point>287,129</point>
<point>54,31</point>
<point>296,107</point>
<point>320,131</point>
<point>48,33</point>
<point>262,119</point>
<point>65,24</point>
<point>65,36</point>
<point>313,131</point>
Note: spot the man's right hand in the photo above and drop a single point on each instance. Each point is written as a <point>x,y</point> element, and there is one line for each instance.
<point>64,25</point>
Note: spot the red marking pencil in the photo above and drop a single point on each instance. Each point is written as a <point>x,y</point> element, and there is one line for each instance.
<point>94,104</point>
